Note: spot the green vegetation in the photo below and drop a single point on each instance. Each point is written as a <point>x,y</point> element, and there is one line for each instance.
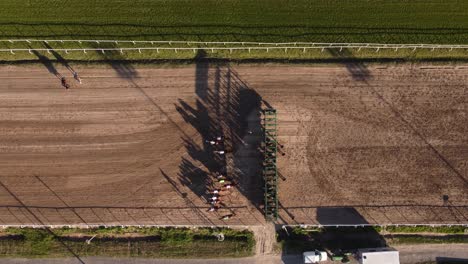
<point>425,229</point>
<point>298,56</point>
<point>415,239</point>
<point>130,242</point>
<point>397,21</point>
<point>394,21</point>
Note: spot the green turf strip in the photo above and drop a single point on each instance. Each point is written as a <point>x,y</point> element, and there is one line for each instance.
<point>390,21</point>
<point>148,242</point>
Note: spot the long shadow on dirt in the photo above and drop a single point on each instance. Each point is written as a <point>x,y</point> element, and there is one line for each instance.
<point>358,70</point>
<point>225,107</point>
<point>117,61</point>
<point>47,63</point>
<point>59,58</point>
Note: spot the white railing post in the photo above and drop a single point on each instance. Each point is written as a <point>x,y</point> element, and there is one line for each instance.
<point>227,46</point>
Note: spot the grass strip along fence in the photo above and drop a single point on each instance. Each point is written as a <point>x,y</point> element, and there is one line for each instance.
<point>96,50</point>
<point>125,242</point>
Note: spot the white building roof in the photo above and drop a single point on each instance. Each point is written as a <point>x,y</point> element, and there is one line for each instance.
<point>379,256</point>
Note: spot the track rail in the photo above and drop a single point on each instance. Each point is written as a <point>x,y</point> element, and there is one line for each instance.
<point>231,46</point>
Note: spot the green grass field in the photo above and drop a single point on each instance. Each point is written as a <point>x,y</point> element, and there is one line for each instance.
<point>391,21</point>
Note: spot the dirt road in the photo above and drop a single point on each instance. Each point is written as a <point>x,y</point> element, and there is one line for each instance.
<point>448,253</point>
<point>128,145</point>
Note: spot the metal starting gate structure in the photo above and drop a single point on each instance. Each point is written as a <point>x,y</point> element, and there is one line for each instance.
<point>270,173</point>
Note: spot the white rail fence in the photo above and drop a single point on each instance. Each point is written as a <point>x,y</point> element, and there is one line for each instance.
<point>233,226</point>
<point>217,46</point>
<point>376,225</point>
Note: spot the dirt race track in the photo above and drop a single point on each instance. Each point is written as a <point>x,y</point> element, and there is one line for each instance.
<point>363,144</point>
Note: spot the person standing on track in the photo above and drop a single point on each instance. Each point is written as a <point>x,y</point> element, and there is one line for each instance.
<point>64,83</point>
<point>213,208</point>
<point>219,176</point>
<point>212,142</point>
<point>228,186</point>
<point>215,198</point>
<point>75,75</point>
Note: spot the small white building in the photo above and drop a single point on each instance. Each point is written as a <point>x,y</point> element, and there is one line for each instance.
<point>384,255</point>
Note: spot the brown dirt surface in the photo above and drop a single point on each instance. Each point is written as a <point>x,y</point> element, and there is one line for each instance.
<point>374,145</point>
<point>363,144</point>
<point>125,147</point>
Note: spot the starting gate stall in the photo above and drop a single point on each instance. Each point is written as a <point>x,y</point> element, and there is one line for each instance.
<point>270,173</point>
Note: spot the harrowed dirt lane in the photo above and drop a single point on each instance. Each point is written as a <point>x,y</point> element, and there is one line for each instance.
<point>363,144</point>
